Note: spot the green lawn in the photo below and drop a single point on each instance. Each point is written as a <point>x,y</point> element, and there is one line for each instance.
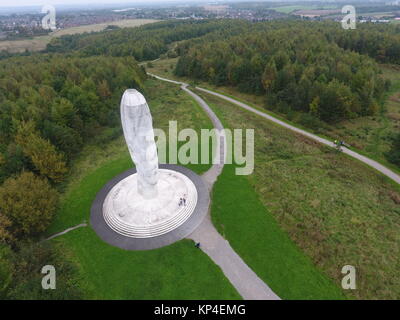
<point>335,209</point>
<point>253,232</point>
<point>178,271</point>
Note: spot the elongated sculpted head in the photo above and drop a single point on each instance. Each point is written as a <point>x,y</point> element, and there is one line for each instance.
<point>139,136</point>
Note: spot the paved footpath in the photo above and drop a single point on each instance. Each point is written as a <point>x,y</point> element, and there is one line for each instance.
<point>66,231</point>
<point>376,165</point>
<point>246,282</point>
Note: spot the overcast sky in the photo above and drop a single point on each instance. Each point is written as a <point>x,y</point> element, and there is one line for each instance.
<point>14,3</point>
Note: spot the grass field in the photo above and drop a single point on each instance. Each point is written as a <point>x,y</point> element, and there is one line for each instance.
<point>337,210</point>
<point>304,214</point>
<point>163,67</point>
<point>39,43</point>
<point>179,271</point>
<point>252,230</point>
<point>290,9</point>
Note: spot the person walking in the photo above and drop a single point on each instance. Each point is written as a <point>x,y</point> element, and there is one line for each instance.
<point>338,145</point>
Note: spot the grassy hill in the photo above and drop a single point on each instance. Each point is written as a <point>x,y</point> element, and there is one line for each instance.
<point>335,209</point>
<point>178,271</point>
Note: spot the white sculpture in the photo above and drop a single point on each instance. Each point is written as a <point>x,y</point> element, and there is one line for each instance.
<point>139,136</point>
<point>152,201</point>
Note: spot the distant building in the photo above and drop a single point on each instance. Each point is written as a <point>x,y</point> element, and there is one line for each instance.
<point>393,3</point>
<point>380,21</point>
<point>216,8</point>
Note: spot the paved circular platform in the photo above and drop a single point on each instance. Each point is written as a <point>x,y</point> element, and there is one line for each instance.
<point>186,226</point>
<point>131,214</point>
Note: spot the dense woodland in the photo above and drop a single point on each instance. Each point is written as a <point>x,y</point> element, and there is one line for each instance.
<point>53,103</point>
<point>143,43</point>
<point>50,105</point>
<point>304,72</point>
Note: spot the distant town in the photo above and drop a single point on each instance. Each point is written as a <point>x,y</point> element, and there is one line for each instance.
<point>27,25</point>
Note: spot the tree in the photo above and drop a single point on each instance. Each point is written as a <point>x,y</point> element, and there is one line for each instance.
<point>103,89</point>
<point>63,112</point>
<point>394,153</point>
<point>6,269</point>
<point>66,139</point>
<point>28,202</point>
<point>5,233</point>
<point>269,75</point>
<point>42,153</point>
<point>28,262</point>
<point>13,161</point>
<point>314,106</point>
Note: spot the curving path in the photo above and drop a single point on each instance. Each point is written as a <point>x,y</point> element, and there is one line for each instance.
<point>246,282</point>
<point>374,164</point>
<point>82,225</point>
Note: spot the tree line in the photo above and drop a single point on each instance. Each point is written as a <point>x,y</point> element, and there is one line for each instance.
<point>146,42</point>
<point>294,65</point>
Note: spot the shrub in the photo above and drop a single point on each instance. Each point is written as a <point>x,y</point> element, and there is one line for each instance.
<point>42,153</point>
<point>28,262</point>
<point>394,153</point>
<point>29,202</point>
<point>5,269</point>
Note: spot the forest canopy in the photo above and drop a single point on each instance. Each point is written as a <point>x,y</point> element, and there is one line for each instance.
<point>294,64</point>
<point>146,42</point>
<point>51,105</point>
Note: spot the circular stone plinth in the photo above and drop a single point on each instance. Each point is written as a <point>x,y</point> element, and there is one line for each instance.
<point>123,218</point>
<point>130,214</point>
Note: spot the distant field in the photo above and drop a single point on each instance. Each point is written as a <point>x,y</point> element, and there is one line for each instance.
<point>290,9</point>
<point>316,12</point>
<point>379,14</point>
<point>40,43</point>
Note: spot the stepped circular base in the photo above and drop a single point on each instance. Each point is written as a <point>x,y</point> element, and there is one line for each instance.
<point>130,214</point>
<point>123,218</point>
